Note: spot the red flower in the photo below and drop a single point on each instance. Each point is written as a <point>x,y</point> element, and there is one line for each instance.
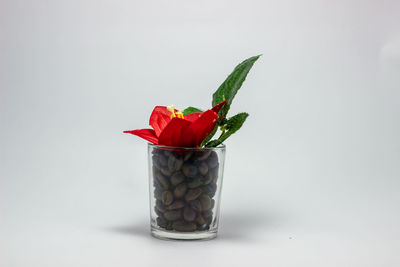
<point>172,128</point>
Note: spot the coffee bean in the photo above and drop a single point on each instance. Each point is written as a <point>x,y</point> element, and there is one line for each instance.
<point>174,163</point>
<point>195,205</point>
<point>180,190</point>
<point>188,214</point>
<point>207,214</point>
<point>212,160</point>
<point>167,197</point>
<point>158,212</point>
<point>155,169</point>
<point>167,153</point>
<point>192,194</point>
<point>205,201</point>
<point>173,215</point>
<point>189,170</point>
<point>183,226</point>
<point>162,222</point>
<point>203,227</point>
<point>177,178</point>
<point>166,171</point>
<point>202,155</point>
<point>157,185</point>
<point>162,179</point>
<point>157,193</point>
<point>200,220</point>
<point>171,162</point>
<point>207,178</point>
<point>160,206</point>
<point>178,164</point>
<point>156,162</point>
<point>187,155</point>
<point>210,189</point>
<point>214,173</point>
<point>194,183</point>
<point>203,168</point>
<point>177,204</point>
<point>162,160</point>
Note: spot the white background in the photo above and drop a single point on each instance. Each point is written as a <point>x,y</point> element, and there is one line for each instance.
<point>312,179</point>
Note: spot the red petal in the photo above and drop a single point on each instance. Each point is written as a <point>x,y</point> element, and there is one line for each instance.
<point>173,133</point>
<point>159,119</point>
<point>200,128</point>
<point>217,107</point>
<point>193,116</point>
<point>147,134</point>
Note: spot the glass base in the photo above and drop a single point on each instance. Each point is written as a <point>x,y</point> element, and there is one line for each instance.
<point>173,235</point>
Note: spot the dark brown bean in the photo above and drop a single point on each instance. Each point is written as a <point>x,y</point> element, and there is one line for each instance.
<point>166,171</point>
<point>212,160</point>
<point>162,179</point>
<point>177,204</point>
<point>180,190</point>
<point>157,184</point>
<point>155,169</point>
<point>188,214</point>
<point>189,170</point>
<point>177,178</point>
<point>160,206</point>
<point>156,162</point>
<point>157,193</point>
<point>210,189</point>
<point>171,162</point>
<point>203,168</point>
<point>158,212</point>
<point>205,201</point>
<point>162,222</point>
<point>194,183</point>
<point>167,153</point>
<point>207,214</point>
<point>200,220</point>
<point>173,215</point>
<point>187,155</point>
<point>174,163</point>
<point>183,226</point>
<point>207,178</point>
<point>195,205</point>
<point>203,227</point>
<point>167,197</point>
<point>162,160</point>
<point>202,155</point>
<point>214,174</point>
<point>192,194</point>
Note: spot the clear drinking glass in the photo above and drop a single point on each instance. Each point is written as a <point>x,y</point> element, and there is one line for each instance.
<point>185,190</point>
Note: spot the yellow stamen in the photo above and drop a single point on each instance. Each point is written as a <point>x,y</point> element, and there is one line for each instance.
<point>180,115</point>
<point>174,114</point>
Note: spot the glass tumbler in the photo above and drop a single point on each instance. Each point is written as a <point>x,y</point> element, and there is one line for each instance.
<point>185,191</point>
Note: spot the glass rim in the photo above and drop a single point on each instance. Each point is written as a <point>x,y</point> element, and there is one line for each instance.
<point>219,147</point>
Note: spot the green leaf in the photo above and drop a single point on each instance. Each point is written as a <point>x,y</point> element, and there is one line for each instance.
<point>229,88</point>
<point>190,110</point>
<point>232,125</point>
<point>218,96</point>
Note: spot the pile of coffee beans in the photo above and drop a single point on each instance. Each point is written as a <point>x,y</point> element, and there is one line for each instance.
<point>185,183</point>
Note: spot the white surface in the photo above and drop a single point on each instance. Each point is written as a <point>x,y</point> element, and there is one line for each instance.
<point>311,180</point>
